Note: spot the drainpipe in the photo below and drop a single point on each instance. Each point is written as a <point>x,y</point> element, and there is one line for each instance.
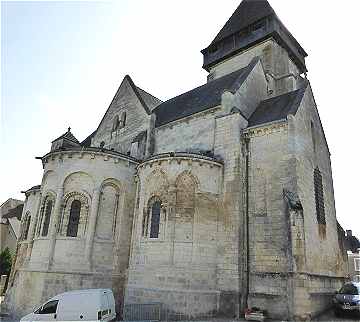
<point>247,153</point>
<point>245,243</point>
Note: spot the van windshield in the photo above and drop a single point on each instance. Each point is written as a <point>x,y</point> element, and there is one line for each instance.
<point>48,308</point>
<point>349,289</point>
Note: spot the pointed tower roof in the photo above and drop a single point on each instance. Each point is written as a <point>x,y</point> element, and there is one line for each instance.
<point>248,12</point>
<point>68,136</point>
<point>252,22</point>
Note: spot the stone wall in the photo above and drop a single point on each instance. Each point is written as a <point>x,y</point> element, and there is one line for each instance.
<point>137,120</point>
<point>312,151</point>
<point>103,184</point>
<point>275,60</point>
<point>178,268</point>
<point>194,134</point>
<point>44,285</point>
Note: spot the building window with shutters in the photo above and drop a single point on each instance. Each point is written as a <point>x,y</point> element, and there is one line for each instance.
<point>74,218</point>
<point>319,197</point>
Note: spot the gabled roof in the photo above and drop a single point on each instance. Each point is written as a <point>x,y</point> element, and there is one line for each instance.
<point>14,212</point>
<point>68,136</point>
<point>201,98</point>
<point>137,93</point>
<point>148,102</point>
<point>248,12</point>
<point>277,108</point>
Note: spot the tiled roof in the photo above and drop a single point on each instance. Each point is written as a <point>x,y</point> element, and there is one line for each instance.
<point>201,98</point>
<point>68,136</point>
<point>248,12</point>
<point>277,108</point>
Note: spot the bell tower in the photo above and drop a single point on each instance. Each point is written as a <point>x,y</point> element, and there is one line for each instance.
<point>253,30</point>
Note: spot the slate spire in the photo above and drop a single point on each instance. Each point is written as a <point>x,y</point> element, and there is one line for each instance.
<point>252,22</point>
<point>247,13</point>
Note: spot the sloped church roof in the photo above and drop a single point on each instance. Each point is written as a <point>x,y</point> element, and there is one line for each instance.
<point>248,12</point>
<point>201,98</point>
<point>246,17</point>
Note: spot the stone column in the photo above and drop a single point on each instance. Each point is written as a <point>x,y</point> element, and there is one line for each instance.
<point>135,234</point>
<point>116,233</point>
<point>33,228</point>
<point>55,217</point>
<point>92,225</point>
<point>171,220</point>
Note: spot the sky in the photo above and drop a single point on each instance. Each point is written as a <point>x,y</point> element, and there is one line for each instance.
<point>62,62</point>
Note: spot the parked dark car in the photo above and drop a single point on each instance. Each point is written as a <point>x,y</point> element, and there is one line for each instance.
<point>347,300</point>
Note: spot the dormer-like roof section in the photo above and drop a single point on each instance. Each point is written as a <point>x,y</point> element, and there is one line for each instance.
<point>277,108</point>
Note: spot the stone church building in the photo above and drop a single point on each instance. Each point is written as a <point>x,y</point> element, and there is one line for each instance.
<point>216,200</point>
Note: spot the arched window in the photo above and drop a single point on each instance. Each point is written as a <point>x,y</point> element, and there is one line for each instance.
<point>116,123</point>
<point>155,219</point>
<point>123,120</point>
<point>48,209</point>
<point>74,218</point>
<point>26,227</point>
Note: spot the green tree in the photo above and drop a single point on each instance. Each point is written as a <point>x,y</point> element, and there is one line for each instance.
<point>5,262</point>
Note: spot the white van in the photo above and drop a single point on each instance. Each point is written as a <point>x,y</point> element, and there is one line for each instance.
<point>81,305</point>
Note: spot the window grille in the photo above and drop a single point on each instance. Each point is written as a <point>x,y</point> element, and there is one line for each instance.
<point>319,197</point>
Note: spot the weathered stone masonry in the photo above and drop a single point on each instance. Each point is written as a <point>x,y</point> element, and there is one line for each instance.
<point>214,201</point>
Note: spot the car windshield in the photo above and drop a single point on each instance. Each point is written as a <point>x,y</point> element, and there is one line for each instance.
<point>349,289</point>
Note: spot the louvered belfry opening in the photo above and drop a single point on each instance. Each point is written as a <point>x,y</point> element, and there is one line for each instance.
<point>319,197</point>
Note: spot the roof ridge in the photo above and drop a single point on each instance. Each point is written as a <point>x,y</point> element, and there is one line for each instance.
<point>203,85</point>
<point>68,135</point>
<point>138,95</point>
<point>146,92</point>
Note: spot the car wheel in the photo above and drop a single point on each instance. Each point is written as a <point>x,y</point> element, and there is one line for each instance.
<point>337,313</point>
